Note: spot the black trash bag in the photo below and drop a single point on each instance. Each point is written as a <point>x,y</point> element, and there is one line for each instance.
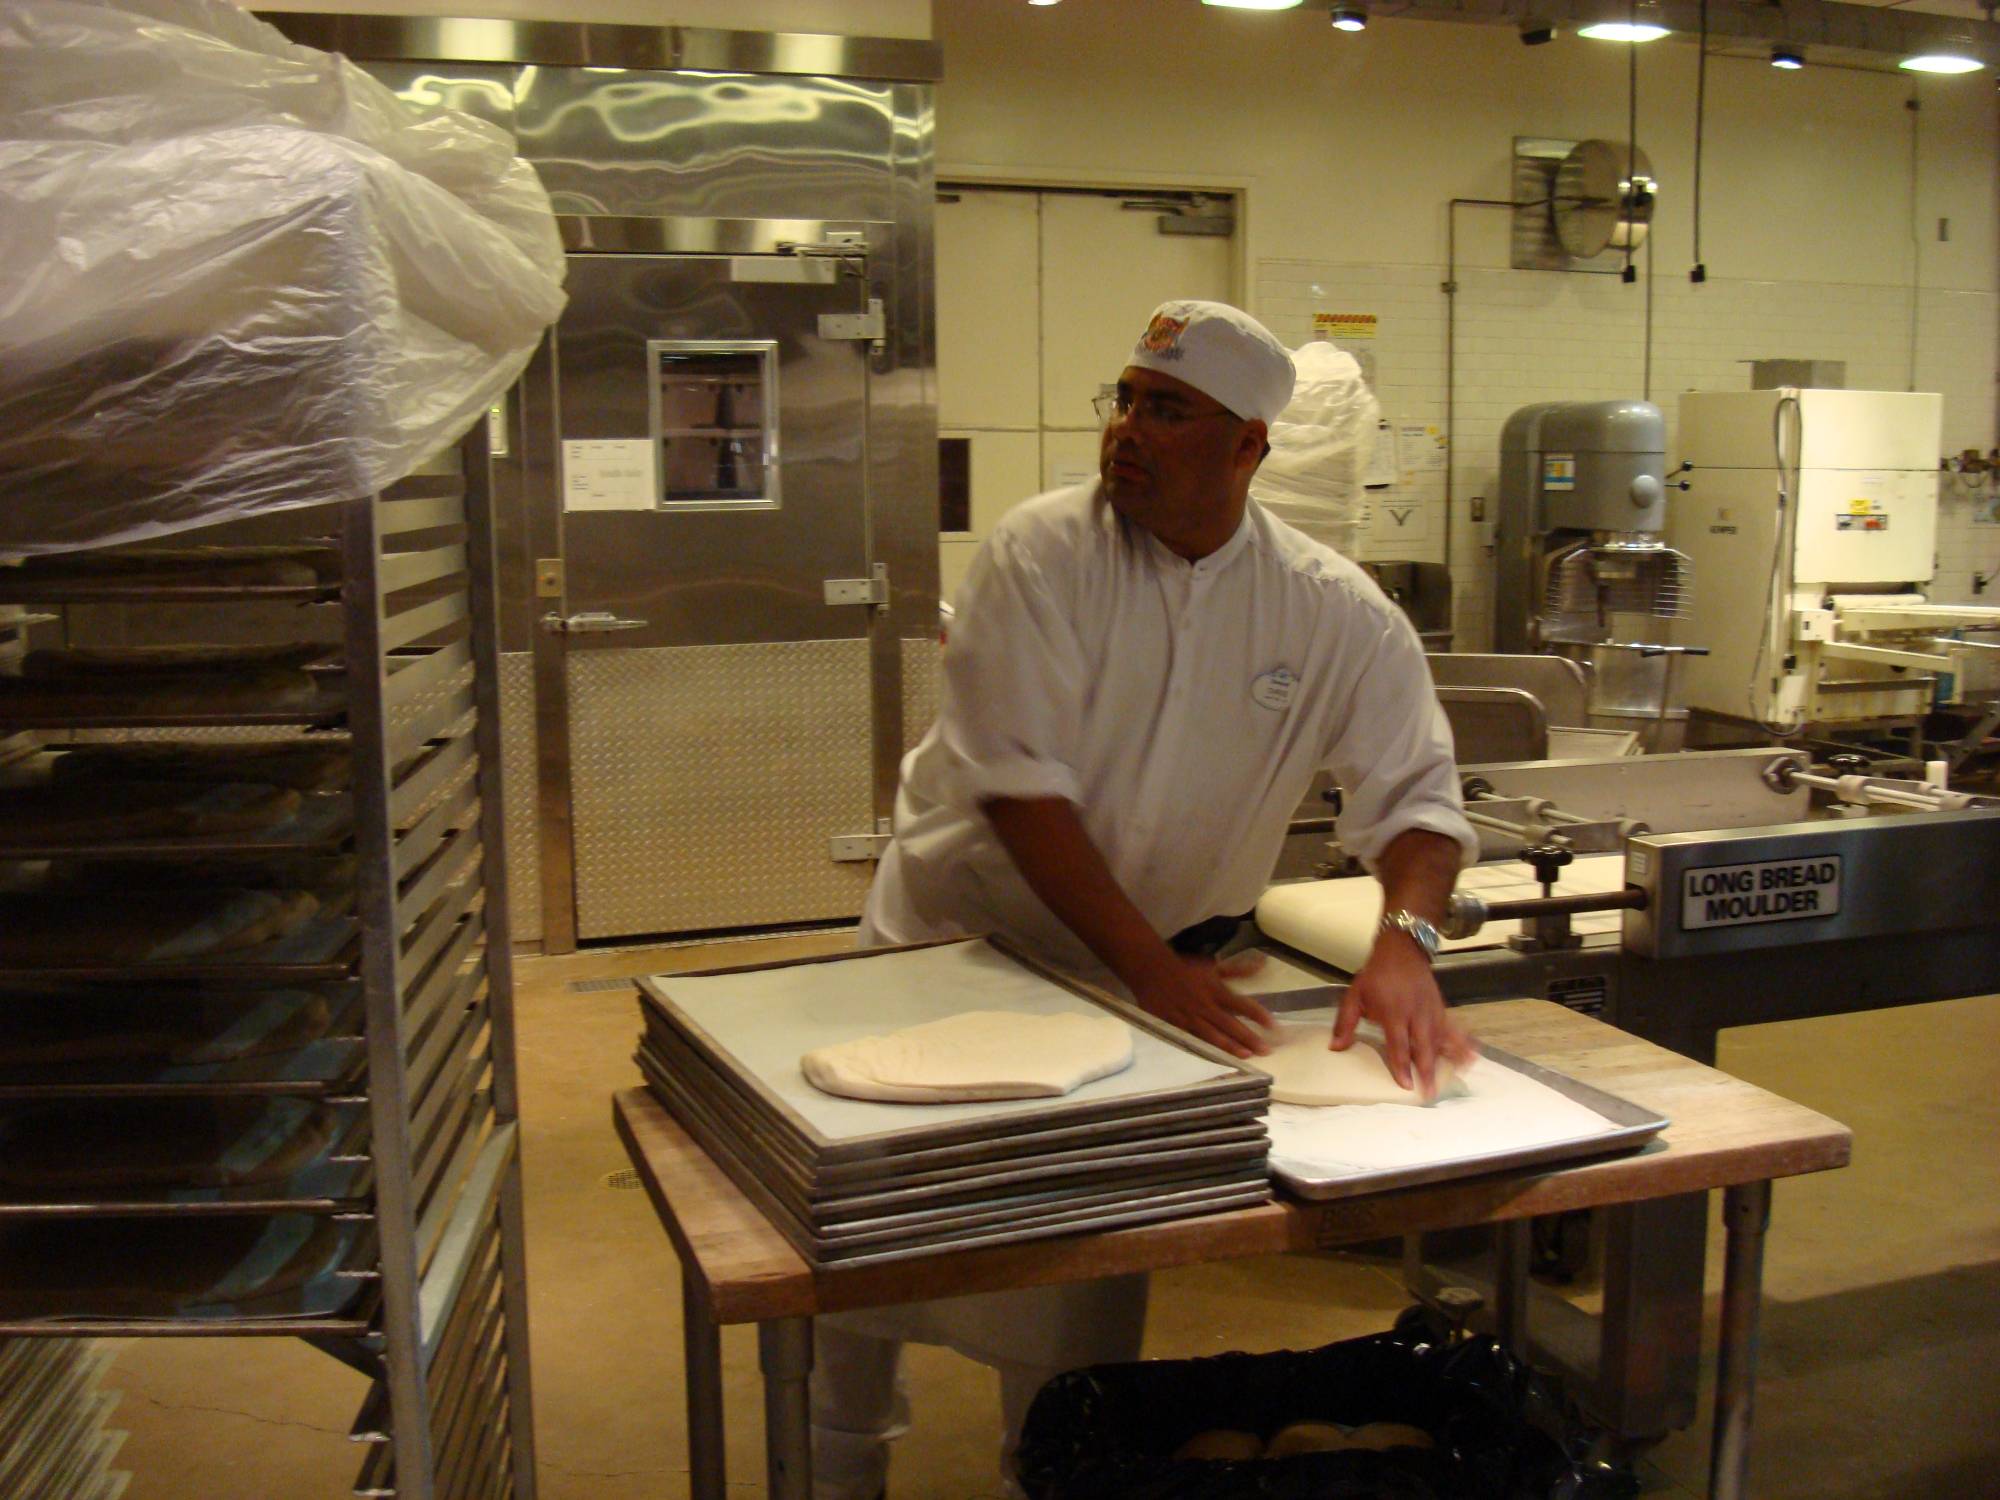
<point>1110,1432</point>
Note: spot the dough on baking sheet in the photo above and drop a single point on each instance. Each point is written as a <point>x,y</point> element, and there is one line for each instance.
<point>977,1054</point>
<point>1304,1070</point>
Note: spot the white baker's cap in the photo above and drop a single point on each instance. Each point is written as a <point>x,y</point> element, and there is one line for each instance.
<point>1222,352</point>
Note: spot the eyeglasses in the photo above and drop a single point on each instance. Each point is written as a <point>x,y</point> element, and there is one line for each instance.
<point>1152,408</point>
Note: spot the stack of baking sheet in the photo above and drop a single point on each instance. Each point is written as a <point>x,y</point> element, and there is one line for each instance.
<point>849,1181</point>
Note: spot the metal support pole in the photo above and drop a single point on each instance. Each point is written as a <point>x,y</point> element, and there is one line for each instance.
<point>707,1474</point>
<point>785,1354</point>
<point>1746,1214</point>
<point>1513,1249</point>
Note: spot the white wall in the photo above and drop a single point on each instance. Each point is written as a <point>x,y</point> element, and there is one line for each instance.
<point>894,18</point>
<point>1352,145</point>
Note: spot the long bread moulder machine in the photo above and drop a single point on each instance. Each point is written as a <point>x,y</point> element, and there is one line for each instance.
<point>1675,895</point>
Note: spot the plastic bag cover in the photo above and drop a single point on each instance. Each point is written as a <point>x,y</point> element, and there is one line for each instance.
<point>1108,1433</point>
<point>1320,444</point>
<point>239,275</point>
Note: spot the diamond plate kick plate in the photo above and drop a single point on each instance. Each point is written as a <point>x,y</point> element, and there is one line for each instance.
<point>708,780</point>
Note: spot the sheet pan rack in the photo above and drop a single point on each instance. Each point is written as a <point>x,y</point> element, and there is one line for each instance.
<point>371,1017</point>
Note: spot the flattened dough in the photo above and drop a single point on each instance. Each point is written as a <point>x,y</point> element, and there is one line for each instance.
<point>977,1054</point>
<point>1304,1071</point>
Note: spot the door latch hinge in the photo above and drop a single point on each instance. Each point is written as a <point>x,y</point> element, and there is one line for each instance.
<point>872,325</point>
<point>872,590</point>
<point>849,848</point>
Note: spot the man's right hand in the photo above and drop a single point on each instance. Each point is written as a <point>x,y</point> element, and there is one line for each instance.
<point>1193,994</point>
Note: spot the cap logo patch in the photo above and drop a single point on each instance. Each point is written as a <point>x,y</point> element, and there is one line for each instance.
<point>1163,336</point>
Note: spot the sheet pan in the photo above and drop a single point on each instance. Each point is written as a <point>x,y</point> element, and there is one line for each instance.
<point>743,1109</point>
<point>758,1022</point>
<point>1243,1148</point>
<point>1627,1127</point>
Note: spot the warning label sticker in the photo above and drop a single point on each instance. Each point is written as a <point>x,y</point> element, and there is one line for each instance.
<point>1775,890</point>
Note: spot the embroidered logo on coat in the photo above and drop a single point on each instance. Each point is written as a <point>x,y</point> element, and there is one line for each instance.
<point>1163,336</point>
<point>1274,689</point>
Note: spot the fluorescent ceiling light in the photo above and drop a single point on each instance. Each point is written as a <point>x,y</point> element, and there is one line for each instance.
<point>1622,31</point>
<point>1941,62</point>
<point>1252,4</point>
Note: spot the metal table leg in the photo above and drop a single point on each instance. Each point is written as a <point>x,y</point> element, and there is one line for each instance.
<point>1513,1248</point>
<point>785,1354</point>
<point>702,1341</point>
<point>1746,1214</point>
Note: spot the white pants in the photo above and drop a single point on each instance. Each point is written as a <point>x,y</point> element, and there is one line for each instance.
<point>860,1401</point>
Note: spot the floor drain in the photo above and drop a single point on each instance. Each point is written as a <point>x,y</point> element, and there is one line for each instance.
<point>598,986</point>
<point>624,1179</point>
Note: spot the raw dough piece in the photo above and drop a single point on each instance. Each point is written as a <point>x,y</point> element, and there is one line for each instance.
<point>978,1054</point>
<point>1305,1071</point>
<point>1307,1437</point>
<point>1222,1445</point>
<point>1382,1436</point>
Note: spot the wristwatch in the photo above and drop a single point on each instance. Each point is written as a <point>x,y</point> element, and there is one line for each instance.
<point>1422,933</point>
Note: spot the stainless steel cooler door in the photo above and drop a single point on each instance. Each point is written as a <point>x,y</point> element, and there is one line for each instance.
<point>711,447</point>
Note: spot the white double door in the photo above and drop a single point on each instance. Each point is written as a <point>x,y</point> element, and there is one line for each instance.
<point>1041,295</point>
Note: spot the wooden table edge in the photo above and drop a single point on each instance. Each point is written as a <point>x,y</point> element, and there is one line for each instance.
<point>781,1284</point>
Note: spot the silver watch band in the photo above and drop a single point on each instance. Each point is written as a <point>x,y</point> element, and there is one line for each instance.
<point>1419,931</point>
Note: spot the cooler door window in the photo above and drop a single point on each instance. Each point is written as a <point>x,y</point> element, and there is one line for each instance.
<point>714,414</point>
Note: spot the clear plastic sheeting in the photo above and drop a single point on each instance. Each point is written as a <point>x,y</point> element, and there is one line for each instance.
<point>239,275</point>
<point>1320,445</point>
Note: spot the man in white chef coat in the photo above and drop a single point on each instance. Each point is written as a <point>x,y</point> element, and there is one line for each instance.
<point>1143,675</point>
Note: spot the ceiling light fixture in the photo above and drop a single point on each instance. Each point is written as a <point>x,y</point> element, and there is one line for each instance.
<point>1642,22</point>
<point>1349,18</point>
<point>1534,32</point>
<point>1623,31</point>
<point>1941,62</point>
<point>1788,58</point>
<point>1253,4</point>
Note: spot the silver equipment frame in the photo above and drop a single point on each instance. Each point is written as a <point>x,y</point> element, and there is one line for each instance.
<point>442,1329</point>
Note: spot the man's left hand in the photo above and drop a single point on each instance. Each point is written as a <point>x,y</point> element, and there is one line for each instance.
<point>1397,991</point>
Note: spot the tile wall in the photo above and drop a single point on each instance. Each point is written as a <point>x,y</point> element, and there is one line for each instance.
<point>1525,336</point>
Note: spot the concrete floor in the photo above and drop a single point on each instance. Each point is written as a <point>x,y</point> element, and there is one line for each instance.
<point>1879,1344</point>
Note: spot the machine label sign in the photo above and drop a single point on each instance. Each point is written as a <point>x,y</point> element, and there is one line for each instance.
<point>1559,471</point>
<point>1773,890</point>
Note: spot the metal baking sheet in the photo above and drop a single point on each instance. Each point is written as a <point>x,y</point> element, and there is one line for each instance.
<point>724,1093</point>
<point>1099,1167</point>
<point>1171,1189</point>
<point>16,590</point>
<point>322,821</point>
<point>1122,1218</point>
<point>329,706</point>
<point>758,1190</point>
<point>1631,1126</point>
<point>326,947</point>
<point>759,1022</point>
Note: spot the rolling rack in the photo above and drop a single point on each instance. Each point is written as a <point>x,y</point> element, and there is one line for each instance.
<point>418,1193</point>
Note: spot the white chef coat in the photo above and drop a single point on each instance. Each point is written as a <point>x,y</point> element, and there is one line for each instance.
<point>1183,707</point>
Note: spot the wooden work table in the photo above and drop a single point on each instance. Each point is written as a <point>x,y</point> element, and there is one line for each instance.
<point>736,1268</point>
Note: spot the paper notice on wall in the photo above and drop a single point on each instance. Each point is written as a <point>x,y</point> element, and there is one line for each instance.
<point>1398,523</point>
<point>1420,448</point>
<point>1382,470</point>
<point>1356,333</point>
<point>610,474</point>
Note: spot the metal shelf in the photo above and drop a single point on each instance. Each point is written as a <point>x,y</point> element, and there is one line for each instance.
<point>328,708</point>
<point>324,821</point>
<point>429,1058</point>
<point>325,947</point>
